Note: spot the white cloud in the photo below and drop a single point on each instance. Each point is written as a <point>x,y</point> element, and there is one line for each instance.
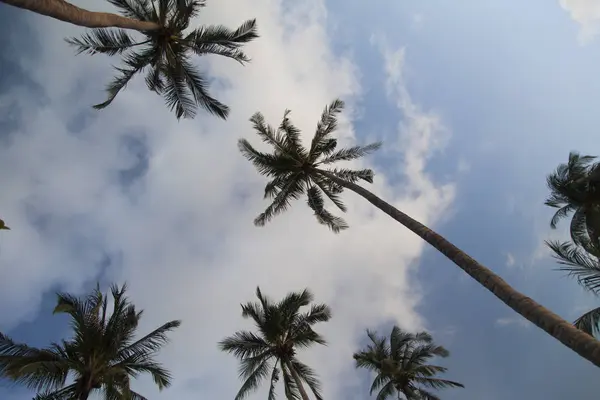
<point>587,14</point>
<point>183,236</point>
<point>510,260</point>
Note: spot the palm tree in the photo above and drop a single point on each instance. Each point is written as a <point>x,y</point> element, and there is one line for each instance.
<point>166,53</point>
<point>583,263</point>
<point>3,225</point>
<point>401,365</point>
<point>295,170</point>
<point>67,12</point>
<point>575,189</point>
<point>281,329</point>
<point>102,355</point>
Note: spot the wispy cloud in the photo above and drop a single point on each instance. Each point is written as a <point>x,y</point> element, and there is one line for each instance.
<point>513,321</point>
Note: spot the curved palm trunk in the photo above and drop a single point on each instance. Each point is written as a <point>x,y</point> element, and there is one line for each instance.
<point>583,344</point>
<point>67,12</point>
<point>298,381</point>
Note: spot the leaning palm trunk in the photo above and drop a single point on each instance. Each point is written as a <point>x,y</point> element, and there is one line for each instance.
<point>67,12</point>
<point>583,344</point>
<point>298,381</point>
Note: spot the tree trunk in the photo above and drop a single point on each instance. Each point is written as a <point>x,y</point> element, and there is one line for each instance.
<point>67,12</point>
<point>583,344</point>
<point>298,381</point>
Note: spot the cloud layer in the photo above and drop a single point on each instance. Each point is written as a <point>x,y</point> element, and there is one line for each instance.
<point>133,195</point>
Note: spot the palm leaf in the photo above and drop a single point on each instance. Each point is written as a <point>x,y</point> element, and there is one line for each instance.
<point>105,41</point>
<point>588,322</point>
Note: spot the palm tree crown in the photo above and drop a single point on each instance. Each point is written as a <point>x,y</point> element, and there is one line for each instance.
<point>583,263</point>
<point>102,355</point>
<point>401,365</point>
<point>166,52</point>
<point>295,170</point>
<point>281,329</point>
<point>575,189</point>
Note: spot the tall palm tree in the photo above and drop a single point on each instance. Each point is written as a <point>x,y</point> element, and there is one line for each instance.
<point>583,263</point>
<point>575,189</point>
<point>281,329</point>
<point>103,354</point>
<point>401,365</point>
<point>166,52</point>
<point>67,12</point>
<point>295,170</point>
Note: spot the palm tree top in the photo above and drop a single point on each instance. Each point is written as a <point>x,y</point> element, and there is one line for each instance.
<point>282,328</point>
<point>402,365</point>
<point>103,353</point>
<point>166,52</point>
<point>295,170</point>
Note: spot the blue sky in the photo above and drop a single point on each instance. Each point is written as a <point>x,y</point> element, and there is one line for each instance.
<point>475,102</point>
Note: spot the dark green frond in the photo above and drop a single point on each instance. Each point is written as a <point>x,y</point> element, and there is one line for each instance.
<point>253,379</point>
<point>160,375</point>
<point>283,147</point>
<point>291,191</point>
<point>152,342</point>
<point>289,385</point>
<point>577,263</point>
<point>66,393</point>
<point>325,127</point>
<point>101,40</point>
<point>351,153</point>
<point>386,391</point>
<point>588,322</point>
<point>274,380</point>
<point>324,217</point>
<point>266,164</point>
<point>309,376</point>
<point>244,344</point>
<point>219,40</point>
<point>135,62</point>
<point>353,175</point>
<point>136,9</point>
<point>331,190</point>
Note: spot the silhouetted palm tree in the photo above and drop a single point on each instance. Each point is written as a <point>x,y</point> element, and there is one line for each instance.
<point>575,189</point>
<point>295,171</point>
<point>272,351</point>
<point>402,365</point>
<point>166,53</point>
<point>103,354</point>
<point>583,263</point>
<point>67,12</point>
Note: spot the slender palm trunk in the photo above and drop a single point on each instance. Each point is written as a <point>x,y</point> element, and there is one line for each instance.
<point>583,344</point>
<point>297,379</point>
<point>67,12</point>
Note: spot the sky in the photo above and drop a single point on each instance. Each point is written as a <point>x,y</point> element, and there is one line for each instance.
<point>476,102</point>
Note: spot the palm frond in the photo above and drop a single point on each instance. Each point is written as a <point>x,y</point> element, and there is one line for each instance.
<point>136,62</point>
<point>386,391</point>
<point>577,263</point>
<point>136,9</point>
<point>152,342</point>
<point>219,40</point>
<point>266,164</point>
<point>66,393</point>
<point>198,86</point>
<point>160,375</point>
<point>101,40</point>
<point>282,201</point>
<point>351,153</point>
<point>274,380</point>
<point>325,127</point>
<point>353,175</point>
<point>244,344</point>
<point>588,322</point>
<point>309,376</point>
<point>253,379</point>
<point>316,203</point>
<point>291,389</point>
